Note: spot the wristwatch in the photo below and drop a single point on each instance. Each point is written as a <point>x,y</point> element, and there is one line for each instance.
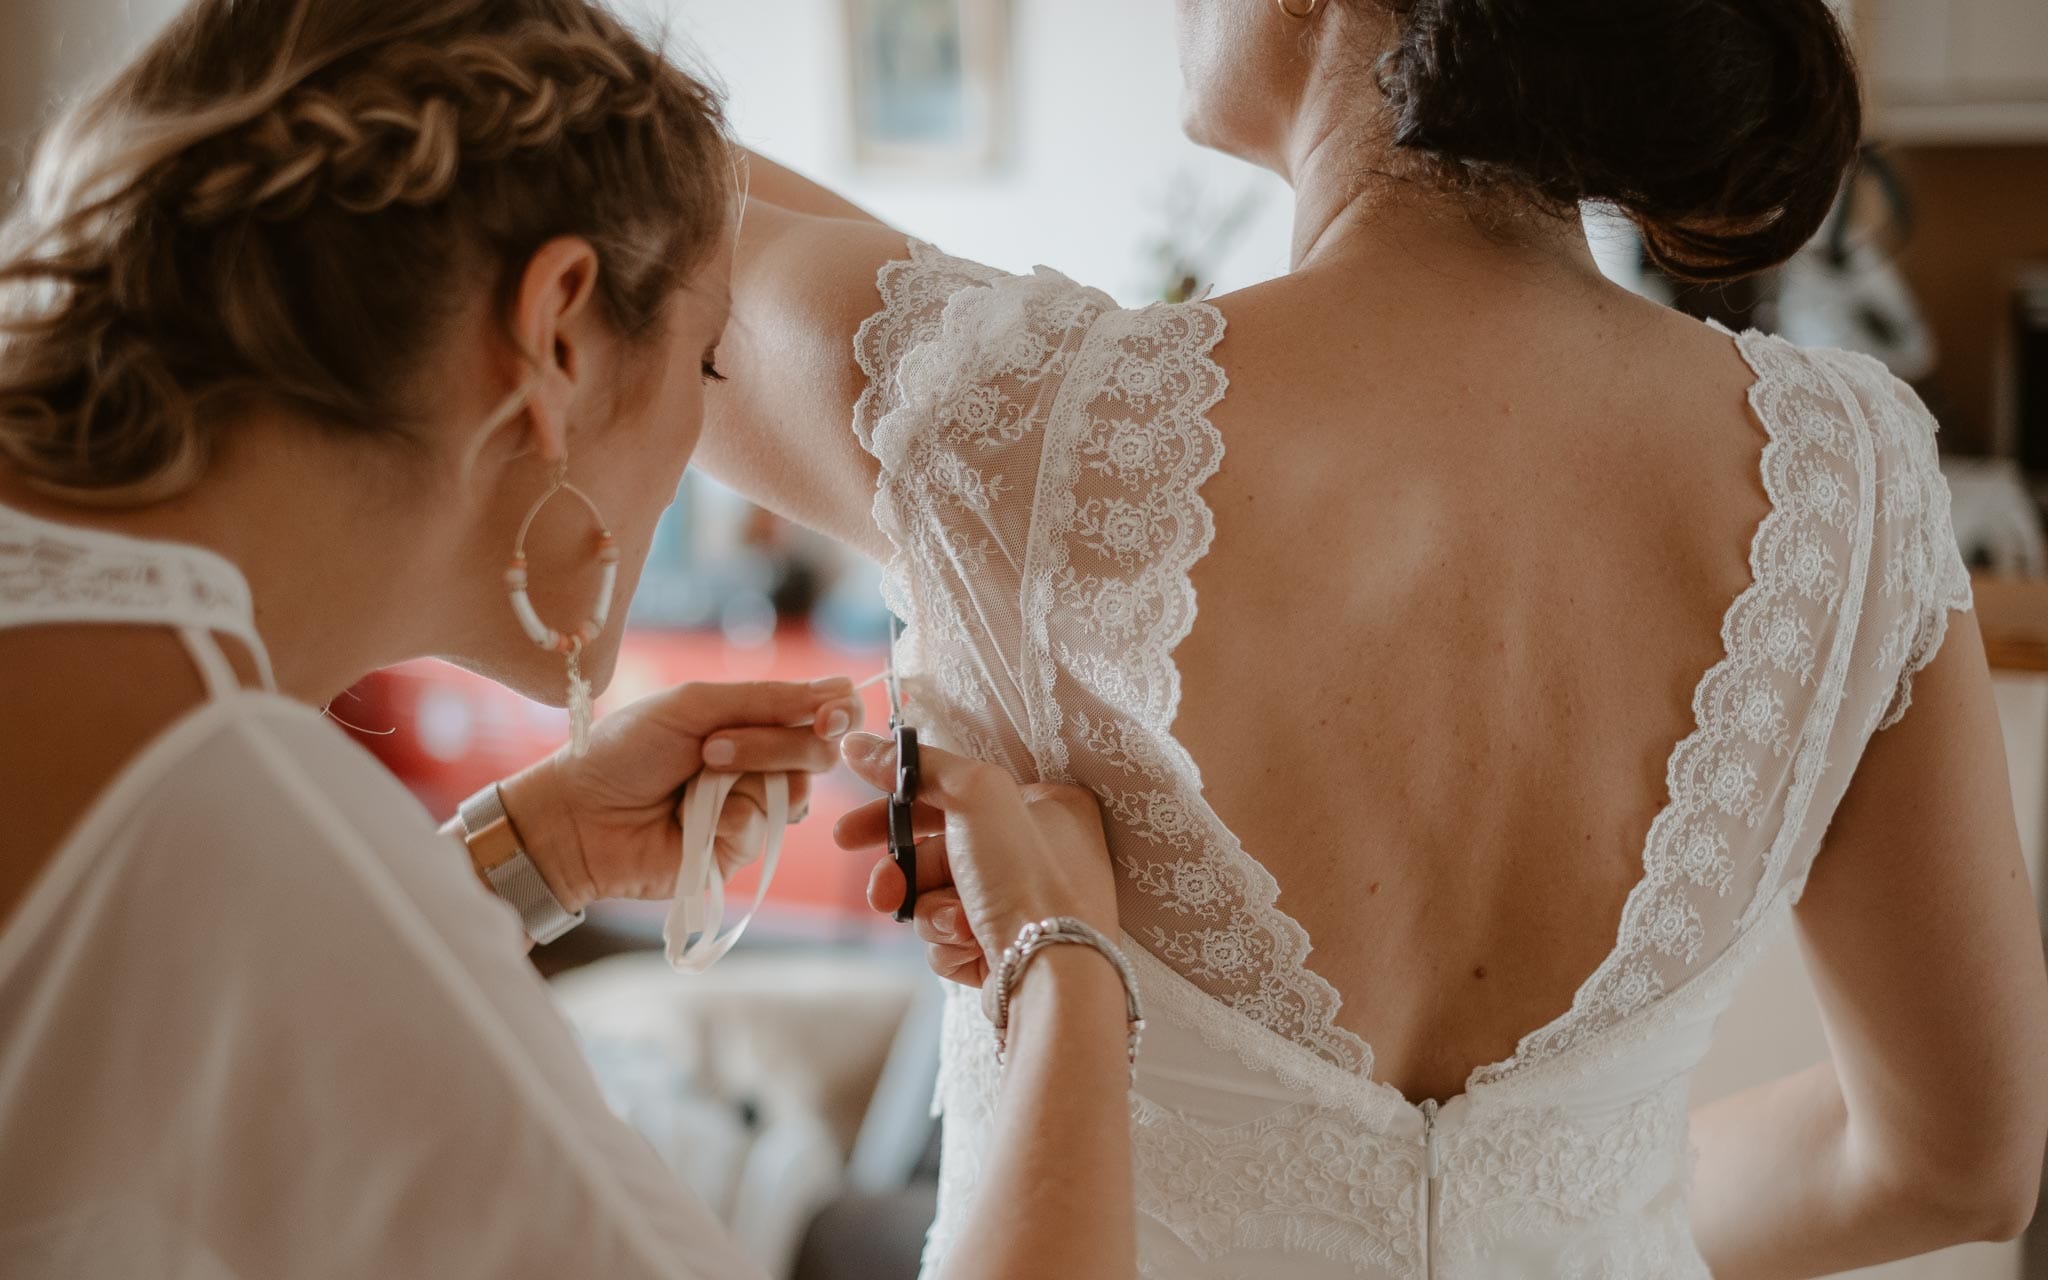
<point>499,857</point>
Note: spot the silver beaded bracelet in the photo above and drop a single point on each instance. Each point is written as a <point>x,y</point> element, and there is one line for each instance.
<point>1034,938</point>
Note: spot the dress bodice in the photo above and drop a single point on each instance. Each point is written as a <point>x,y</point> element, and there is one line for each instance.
<point>1042,456</point>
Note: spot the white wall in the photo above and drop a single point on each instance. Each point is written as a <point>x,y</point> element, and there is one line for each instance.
<point>1093,145</point>
<point>51,48</point>
<point>1094,141</point>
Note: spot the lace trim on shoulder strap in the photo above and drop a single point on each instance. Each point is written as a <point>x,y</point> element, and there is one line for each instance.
<point>960,362</point>
<point>1923,563</point>
<point>1138,425</point>
<point>1118,526</point>
<point>1807,560</point>
<point>915,291</point>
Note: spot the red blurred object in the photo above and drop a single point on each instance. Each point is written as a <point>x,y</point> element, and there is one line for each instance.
<point>446,732</point>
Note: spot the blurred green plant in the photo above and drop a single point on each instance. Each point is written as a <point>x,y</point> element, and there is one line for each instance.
<point>1183,257</point>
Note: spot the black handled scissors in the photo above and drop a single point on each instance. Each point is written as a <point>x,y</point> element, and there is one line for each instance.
<point>902,837</point>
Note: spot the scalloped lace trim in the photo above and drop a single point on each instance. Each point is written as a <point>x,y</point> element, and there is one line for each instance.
<point>1739,711</point>
<point>1114,566</point>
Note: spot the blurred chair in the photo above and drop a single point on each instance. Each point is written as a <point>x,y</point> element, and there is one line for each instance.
<point>757,1082</point>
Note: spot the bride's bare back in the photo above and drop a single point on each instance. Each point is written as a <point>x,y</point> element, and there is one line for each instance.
<point>1473,548</point>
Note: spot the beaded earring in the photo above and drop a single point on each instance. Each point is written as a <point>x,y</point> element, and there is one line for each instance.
<point>571,645</point>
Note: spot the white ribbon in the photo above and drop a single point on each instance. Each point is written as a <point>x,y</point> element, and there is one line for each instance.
<point>692,931</point>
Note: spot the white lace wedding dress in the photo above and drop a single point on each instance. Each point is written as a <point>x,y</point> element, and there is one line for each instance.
<point>1042,454</point>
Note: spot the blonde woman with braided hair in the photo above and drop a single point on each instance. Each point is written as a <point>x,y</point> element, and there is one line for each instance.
<point>335,333</point>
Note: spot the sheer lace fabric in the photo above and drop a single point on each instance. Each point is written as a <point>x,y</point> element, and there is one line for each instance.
<point>1043,453</point>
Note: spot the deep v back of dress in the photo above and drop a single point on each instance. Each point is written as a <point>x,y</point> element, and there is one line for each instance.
<point>1045,460</point>
<point>1450,627</point>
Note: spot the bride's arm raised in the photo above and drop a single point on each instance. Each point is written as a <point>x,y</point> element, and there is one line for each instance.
<point>766,182</point>
<point>1925,1127</point>
<point>779,427</point>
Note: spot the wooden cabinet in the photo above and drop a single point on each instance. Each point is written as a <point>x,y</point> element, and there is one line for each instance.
<point>1956,71</point>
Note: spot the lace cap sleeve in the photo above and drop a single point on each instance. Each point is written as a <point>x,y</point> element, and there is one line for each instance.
<point>915,291</point>
<point>1919,562</point>
<point>965,367</point>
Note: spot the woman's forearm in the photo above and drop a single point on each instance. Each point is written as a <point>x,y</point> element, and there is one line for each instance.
<point>1055,1196</point>
<point>1784,1189</point>
<point>773,184</point>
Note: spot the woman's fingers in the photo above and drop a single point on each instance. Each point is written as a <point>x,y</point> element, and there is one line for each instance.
<point>934,872</point>
<point>885,887</point>
<point>1017,853</point>
<point>742,830</point>
<point>941,921</point>
<point>799,797</point>
<point>701,710</point>
<point>839,717</point>
<point>964,965</point>
<point>953,783</point>
<point>868,826</point>
<point>885,881</point>
<point>769,751</point>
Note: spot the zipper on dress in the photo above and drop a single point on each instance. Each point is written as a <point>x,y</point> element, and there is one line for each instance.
<point>1429,1174</point>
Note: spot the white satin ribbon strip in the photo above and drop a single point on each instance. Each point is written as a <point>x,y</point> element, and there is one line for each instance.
<point>692,932</point>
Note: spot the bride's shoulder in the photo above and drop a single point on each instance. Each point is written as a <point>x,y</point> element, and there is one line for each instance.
<point>1856,382</point>
<point>954,337</point>
<point>928,288</point>
<point>1850,405</point>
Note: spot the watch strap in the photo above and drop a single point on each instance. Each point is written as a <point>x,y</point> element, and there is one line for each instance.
<point>495,849</point>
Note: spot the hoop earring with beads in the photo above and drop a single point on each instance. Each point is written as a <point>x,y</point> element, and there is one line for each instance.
<point>570,644</point>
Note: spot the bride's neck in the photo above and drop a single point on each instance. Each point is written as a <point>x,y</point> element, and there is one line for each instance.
<point>342,560</point>
<point>1362,206</point>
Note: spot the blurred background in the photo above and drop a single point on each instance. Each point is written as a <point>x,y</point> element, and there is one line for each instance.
<point>791,1087</point>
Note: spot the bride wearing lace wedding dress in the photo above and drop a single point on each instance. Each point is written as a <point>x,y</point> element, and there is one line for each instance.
<point>1543,635</point>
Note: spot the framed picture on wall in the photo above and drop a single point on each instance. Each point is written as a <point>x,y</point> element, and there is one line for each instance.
<point>930,82</point>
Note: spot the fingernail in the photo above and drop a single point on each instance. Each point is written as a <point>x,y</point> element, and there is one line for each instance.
<point>832,684</point>
<point>837,724</point>
<point>720,751</point>
<point>946,919</point>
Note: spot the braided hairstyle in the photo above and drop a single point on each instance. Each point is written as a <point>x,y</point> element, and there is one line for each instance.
<point>283,201</point>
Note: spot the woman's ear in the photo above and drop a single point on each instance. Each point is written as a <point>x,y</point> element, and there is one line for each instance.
<point>550,318</point>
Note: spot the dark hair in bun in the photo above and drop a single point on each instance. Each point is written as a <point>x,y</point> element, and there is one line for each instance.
<point>1721,127</point>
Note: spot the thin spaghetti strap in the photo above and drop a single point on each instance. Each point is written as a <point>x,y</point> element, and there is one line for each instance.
<point>264,672</point>
<point>220,677</point>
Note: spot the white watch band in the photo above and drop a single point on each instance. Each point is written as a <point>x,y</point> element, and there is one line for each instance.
<point>516,879</point>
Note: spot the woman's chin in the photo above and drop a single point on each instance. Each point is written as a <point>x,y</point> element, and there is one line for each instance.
<point>1203,130</point>
<point>543,677</point>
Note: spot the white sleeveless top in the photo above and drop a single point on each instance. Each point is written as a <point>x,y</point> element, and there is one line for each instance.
<point>258,1020</point>
<point>1042,454</point>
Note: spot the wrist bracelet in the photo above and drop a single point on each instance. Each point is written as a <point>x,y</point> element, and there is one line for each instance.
<point>1034,938</point>
<point>495,851</point>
